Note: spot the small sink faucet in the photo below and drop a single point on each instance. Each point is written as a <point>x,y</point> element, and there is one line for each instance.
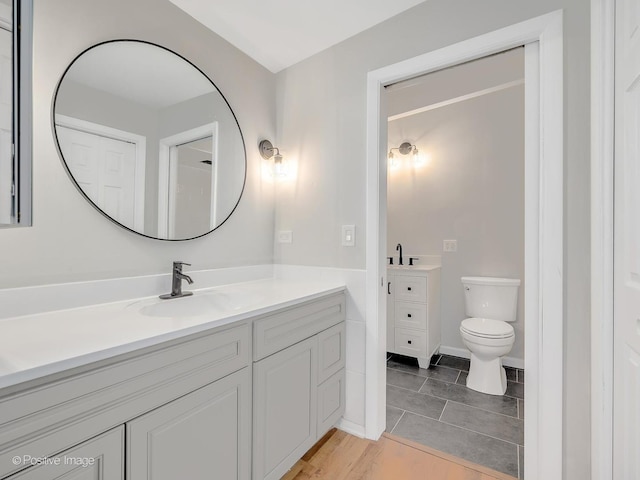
<point>399,248</point>
<point>176,282</point>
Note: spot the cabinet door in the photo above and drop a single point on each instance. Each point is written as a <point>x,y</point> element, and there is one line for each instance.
<point>331,401</point>
<point>284,409</point>
<point>101,458</point>
<point>391,335</point>
<point>203,435</point>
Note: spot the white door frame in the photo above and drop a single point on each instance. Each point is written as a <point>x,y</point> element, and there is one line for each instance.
<point>167,172</point>
<point>602,188</point>
<point>139,141</point>
<point>544,164</point>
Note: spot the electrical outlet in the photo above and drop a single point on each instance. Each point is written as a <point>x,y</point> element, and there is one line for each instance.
<point>449,245</point>
<point>348,235</point>
<point>285,236</point>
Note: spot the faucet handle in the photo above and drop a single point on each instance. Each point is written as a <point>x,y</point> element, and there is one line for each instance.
<point>412,259</point>
<point>178,264</point>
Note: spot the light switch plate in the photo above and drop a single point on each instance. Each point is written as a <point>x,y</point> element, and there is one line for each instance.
<point>449,245</point>
<point>348,235</point>
<point>285,236</point>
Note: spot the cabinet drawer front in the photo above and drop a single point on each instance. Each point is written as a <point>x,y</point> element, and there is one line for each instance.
<point>101,458</point>
<point>272,333</point>
<point>412,343</point>
<point>331,402</point>
<point>413,289</point>
<point>47,419</point>
<point>411,315</point>
<point>331,351</point>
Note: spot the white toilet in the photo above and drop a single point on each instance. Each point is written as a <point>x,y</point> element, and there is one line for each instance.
<point>490,303</point>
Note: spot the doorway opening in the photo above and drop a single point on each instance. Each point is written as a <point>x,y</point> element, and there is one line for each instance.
<point>188,180</point>
<point>543,256</point>
<point>455,209</point>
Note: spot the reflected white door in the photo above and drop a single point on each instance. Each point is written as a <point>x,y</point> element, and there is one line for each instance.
<point>626,446</point>
<point>6,160</point>
<point>105,169</point>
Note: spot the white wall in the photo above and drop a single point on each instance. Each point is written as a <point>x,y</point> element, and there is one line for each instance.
<point>321,125</point>
<point>69,240</point>
<point>471,190</point>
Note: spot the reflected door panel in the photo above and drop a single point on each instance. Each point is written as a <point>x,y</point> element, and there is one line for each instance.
<point>6,167</point>
<point>105,170</point>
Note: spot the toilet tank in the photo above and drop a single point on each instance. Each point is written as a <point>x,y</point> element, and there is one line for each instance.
<point>491,297</point>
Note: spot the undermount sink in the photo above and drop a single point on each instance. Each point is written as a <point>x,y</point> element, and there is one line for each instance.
<point>197,305</point>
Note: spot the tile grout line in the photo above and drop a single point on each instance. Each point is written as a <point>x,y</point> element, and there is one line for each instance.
<point>457,426</point>
<point>442,412</point>
<point>518,452</point>
<point>398,421</point>
<point>454,401</point>
<point>479,433</point>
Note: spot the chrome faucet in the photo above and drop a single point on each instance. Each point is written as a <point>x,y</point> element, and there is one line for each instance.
<point>176,282</point>
<point>399,247</point>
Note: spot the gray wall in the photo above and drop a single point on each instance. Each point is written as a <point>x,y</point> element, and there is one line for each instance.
<point>321,124</point>
<point>70,241</point>
<point>471,190</point>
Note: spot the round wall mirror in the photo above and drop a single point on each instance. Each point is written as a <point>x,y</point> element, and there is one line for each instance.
<point>149,140</point>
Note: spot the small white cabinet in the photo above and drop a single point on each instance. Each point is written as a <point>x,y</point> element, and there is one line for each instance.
<point>101,458</point>
<point>203,435</point>
<point>413,312</point>
<point>299,391</point>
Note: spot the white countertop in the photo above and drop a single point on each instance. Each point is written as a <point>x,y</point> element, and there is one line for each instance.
<point>419,268</point>
<point>33,346</point>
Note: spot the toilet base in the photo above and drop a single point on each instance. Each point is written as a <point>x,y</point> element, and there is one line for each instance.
<point>487,375</point>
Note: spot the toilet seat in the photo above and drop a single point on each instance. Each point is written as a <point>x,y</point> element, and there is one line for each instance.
<point>487,328</point>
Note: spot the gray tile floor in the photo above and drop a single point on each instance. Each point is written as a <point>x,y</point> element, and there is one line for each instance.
<point>435,408</point>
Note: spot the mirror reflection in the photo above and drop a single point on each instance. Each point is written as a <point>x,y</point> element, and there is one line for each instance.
<point>149,140</point>
<point>15,112</point>
<point>6,111</point>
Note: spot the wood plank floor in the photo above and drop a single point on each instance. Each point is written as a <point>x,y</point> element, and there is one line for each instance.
<point>340,456</point>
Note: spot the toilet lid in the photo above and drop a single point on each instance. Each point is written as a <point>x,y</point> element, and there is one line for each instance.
<point>487,328</point>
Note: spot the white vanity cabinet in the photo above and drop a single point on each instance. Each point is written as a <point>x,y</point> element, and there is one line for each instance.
<point>413,312</point>
<point>191,407</point>
<point>298,382</point>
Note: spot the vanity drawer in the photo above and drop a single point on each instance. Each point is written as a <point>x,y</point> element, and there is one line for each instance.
<point>49,418</point>
<point>331,351</point>
<point>410,288</point>
<point>275,332</point>
<point>412,343</point>
<point>411,315</point>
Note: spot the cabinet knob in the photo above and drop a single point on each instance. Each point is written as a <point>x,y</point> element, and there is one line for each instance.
<point>409,315</point>
<point>409,288</point>
<point>409,342</point>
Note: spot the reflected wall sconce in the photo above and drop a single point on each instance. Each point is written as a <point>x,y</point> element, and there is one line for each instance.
<point>268,151</point>
<point>405,148</point>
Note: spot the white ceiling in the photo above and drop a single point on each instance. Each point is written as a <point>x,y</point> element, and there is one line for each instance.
<point>139,72</point>
<point>280,33</point>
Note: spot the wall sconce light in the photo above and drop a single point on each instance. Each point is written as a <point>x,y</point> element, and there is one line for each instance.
<point>405,148</point>
<point>268,151</point>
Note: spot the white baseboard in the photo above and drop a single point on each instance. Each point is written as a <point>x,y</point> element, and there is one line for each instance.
<point>464,353</point>
<point>350,427</point>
